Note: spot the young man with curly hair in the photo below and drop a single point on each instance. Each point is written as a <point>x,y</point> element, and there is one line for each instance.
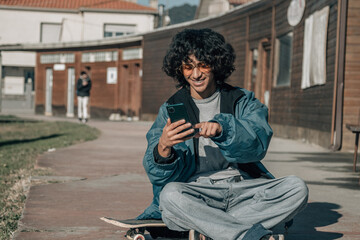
<point>214,183</point>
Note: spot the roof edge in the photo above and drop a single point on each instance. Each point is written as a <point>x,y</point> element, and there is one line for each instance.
<point>22,8</point>
<point>107,10</point>
<point>81,9</point>
<point>36,47</point>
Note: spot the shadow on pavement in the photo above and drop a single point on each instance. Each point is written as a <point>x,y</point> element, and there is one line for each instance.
<point>319,157</point>
<point>17,121</point>
<point>349,183</point>
<point>5,143</point>
<point>336,162</point>
<point>316,214</point>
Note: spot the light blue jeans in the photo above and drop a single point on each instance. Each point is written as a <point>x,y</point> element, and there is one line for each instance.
<point>232,210</point>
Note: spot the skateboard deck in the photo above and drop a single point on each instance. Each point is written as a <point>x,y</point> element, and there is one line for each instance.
<point>136,228</point>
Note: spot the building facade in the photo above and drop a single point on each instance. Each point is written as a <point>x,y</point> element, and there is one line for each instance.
<point>28,21</point>
<point>300,57</point>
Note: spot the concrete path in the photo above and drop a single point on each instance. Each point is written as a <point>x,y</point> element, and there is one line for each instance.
<point>105,177</point>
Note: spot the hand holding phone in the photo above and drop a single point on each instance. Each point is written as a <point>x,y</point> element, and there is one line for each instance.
<point>172,134</point>
<point>178,129</point>
<point>178,112</point>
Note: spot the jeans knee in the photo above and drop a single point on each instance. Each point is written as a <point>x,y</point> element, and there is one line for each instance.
<point>170,194</point>
<point>298,185</point>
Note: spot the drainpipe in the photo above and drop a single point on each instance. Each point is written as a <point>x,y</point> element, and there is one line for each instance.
<point>61,29</point>
<point>82,24</point>
<point>337,118</point>
<point>0,81</point>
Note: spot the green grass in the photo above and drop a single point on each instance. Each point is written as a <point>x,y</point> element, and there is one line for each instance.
<point>21,141</point>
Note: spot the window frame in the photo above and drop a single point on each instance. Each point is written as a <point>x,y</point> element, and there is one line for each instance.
<point>278,60</point>
<point>49,23</point>
<point>114,34</point>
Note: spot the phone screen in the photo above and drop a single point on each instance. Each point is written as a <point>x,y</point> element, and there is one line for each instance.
<point>178,112</point>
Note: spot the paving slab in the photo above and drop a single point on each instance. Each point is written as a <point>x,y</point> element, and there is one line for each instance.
<point>105,177</point>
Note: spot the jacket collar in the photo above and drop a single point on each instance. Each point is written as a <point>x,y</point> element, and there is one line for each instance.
<point>229,97</point>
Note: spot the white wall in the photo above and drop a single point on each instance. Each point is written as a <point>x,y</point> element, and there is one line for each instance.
<point>18,26</point>
<point>21,59</point>
<point>94,23</point>
<point>24,26</point>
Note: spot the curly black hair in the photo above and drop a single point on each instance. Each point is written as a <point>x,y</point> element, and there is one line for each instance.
<point>207,46</point>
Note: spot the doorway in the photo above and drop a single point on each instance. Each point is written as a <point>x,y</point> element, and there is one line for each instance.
<point>259,79</point>
<point>130,90</point>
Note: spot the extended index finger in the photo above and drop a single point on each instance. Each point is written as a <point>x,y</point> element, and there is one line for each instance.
<point>199,125</point>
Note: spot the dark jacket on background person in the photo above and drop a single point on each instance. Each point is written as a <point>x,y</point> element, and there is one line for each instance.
<point>81,90</point>
<point>244,140</point>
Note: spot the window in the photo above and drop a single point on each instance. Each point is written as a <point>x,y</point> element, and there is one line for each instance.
<point>314,56</point>
<point>114,30</point>
<point>57,58</point>
<point>50,32</point>
<point>283,59</point>
<point>132,53</point>
<point>99,56</point>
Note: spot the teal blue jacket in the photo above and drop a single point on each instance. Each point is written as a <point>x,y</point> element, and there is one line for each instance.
<point>244,140</point>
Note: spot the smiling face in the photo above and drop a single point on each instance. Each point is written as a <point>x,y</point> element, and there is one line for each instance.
<point>200,78</point>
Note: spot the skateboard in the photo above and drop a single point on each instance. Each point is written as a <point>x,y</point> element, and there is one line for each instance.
<point>136,227</point>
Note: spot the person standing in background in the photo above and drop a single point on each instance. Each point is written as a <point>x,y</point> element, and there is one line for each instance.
<point>83,88</point>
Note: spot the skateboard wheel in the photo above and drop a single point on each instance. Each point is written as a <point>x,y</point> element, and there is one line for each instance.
<point>139,237</point>
<point>130,234</point>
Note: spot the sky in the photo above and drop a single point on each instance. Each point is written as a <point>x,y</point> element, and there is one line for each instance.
<point>171,3</point>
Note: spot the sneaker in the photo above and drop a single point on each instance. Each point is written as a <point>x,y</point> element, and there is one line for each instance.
<point>194,235</point>
<point>84,120</point>
<point>273,237</point>
<point>80,119</point>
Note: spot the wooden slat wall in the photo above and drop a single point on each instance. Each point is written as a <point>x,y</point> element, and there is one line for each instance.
<point>291,106</point>
<point>352,73</point>
<point>156,86</point>
<point>309,108</point>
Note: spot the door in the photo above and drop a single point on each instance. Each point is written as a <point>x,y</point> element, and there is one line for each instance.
<point>258,71</point>
<point>136,90</point>
<point>70,92</point>
<point>130,91</point>
<point>48,95</point>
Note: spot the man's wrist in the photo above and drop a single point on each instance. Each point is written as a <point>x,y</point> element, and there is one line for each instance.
<point>163,160</point>
<point>163,150</point>
<point>219,130</point>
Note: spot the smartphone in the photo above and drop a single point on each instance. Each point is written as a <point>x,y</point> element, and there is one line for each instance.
<point>178,112</point>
